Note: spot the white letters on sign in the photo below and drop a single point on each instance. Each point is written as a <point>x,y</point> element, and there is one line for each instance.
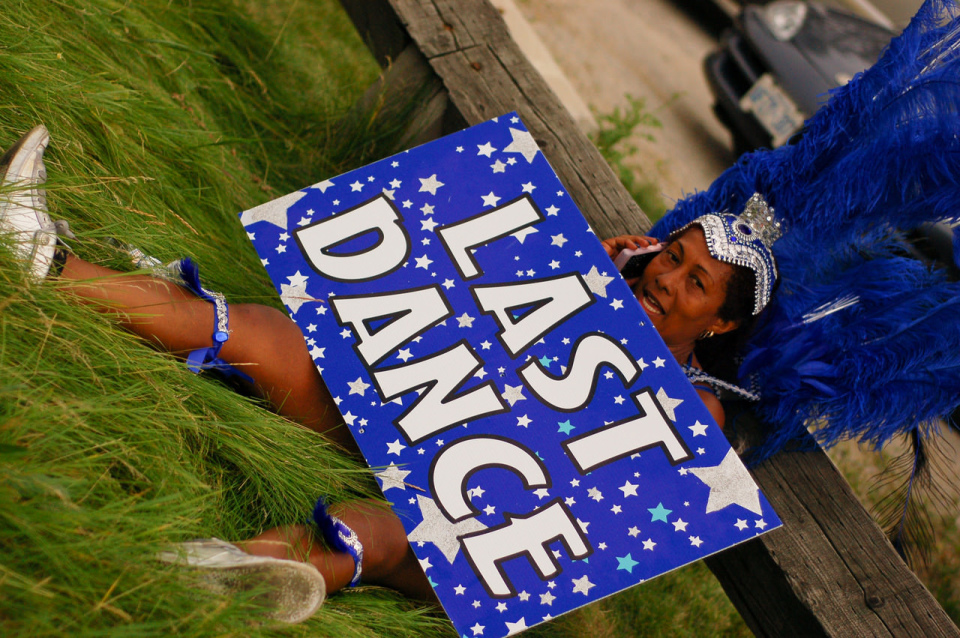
<point>319,241</point>
<point>574,390</point>
<point>407,314</point>
<point>609,443</point>
<point>528,536</point>
<point>524,312</point>
<point>461,238</point>
<point>548,303</point>
<point>441,405</point>
<point>457,463</point>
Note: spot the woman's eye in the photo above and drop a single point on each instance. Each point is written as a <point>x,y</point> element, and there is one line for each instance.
<point>673,256</point>
<point>698,283</point>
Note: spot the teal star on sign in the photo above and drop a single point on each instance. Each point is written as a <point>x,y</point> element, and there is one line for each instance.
<point>626,563</point>
<point>659,513</point>
<point>545,361</point>
<point>565,427</point>
<point>430,580</point>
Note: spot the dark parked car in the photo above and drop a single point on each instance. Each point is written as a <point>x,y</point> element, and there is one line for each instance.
<point>774,68</point>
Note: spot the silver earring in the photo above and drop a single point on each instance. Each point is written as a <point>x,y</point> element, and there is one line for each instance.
<point>706,334</point>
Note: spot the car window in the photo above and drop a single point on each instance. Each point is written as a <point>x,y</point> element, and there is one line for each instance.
<point>825,29</point>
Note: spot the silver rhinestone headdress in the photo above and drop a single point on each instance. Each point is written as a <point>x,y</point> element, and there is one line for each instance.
<point>745,240</point>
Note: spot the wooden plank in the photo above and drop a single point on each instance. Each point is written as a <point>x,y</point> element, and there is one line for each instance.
<point>829,571</point>
<point>589,180</point>
<point>467,44</point>
<point>409,80</point>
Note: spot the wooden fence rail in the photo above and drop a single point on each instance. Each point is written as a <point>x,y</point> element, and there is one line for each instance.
<point>829,571</point>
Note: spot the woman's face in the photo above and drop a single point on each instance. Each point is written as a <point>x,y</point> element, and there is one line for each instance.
<point>682,289</point>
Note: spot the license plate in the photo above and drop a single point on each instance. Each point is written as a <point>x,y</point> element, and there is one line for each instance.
<point>773,108</point>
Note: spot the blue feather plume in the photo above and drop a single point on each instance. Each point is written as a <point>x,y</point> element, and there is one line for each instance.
<point>878,160</point>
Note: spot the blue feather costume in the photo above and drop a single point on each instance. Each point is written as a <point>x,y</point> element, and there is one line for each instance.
<point>860,340</point>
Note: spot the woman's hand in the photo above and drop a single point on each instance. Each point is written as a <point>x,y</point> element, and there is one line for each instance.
<point>614,245</point>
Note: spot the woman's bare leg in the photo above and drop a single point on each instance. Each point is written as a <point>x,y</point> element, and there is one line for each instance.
<point>388,560</point>
<point>269,347</point>
<point>263,343</point>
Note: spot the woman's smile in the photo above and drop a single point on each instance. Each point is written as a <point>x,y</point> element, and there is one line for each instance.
<point>651,304</point>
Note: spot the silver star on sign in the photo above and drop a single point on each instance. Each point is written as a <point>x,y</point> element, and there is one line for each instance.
<point>524,144</point>
<point>523,232</point>
<point>430,184</point>
<point>582,585</point>
<point>392,477</point>
<point>730,484</point>
<point>668,404</point>
<point>516,627</point>
<point>323,186</point>
<point>436,529</point>
<point>513,393</point>
<point>596,282</point>
<point>274,211</point>
<point>294,294</point>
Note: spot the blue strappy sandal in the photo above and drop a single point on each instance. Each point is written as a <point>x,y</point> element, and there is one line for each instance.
<point>340,537</point>
<point>184,272</point>
<point>208,358</point>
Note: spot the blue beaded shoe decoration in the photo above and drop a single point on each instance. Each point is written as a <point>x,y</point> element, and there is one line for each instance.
<point>208,358</point>
<point>340,537</point>
<point>184,272</point>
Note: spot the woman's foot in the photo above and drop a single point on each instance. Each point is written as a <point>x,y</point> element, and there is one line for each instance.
<point>387,558</point>
<point>23,203</point>
<point>293,590</point>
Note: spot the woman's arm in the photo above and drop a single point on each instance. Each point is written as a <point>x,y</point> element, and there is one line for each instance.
<point>713,404</point>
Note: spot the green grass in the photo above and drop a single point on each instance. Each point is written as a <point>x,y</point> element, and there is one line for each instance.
<point>168,117</point>
<point>612,139</point>
<point>686,603</point>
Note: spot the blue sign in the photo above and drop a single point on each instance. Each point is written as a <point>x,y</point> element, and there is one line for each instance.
<point>537,439</point>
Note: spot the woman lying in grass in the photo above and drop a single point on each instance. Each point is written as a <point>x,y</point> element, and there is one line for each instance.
<point>689,293</point>
<point>861,340</point>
